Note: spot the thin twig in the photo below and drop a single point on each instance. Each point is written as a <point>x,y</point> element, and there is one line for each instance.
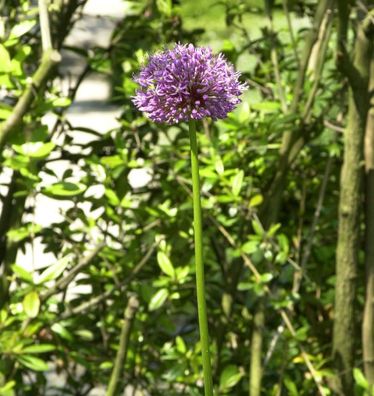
<point>49,60</point>
<point>96,300</point>
<point>64,282</point>
<point>290,29</point>
<point>275,61</point>
<point>317,213</point>
<point>283,313</point>
<point>325,33</point>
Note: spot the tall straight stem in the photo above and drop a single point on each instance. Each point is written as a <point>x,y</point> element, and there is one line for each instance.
<point>200,284</point>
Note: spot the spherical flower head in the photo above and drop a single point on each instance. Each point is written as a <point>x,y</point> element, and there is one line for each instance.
<point>187,83</point>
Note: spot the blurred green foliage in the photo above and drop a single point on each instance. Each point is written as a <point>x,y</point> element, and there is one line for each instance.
<point>147,234</point>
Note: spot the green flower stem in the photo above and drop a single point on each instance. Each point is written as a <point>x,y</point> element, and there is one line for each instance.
<point>200,286</point>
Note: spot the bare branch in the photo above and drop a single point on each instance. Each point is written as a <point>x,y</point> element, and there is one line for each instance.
<point>44,25</point>
<point>49,60</point>
<point>64,282</point>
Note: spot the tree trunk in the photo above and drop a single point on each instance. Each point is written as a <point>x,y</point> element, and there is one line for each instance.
<point>349,213</point>
<point>255,374</point>
<point>368,320</point>
<point>271,207</point>
<point>117,373</point>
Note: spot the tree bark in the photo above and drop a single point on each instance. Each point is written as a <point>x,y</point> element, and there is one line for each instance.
<point>255,374</point>
<point>292,142</point>
<point>129,315</point>
<point>350,199</point>
<point>368,320</point>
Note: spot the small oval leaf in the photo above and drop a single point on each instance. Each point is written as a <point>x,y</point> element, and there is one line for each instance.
<point>237,182</point>
<point>39,348</point>
<point>33,363</point>
<point>54,271</point>
<point>158,299</point>
<point>21,273</point>
<point>31,304</point>
<point>165,264</point>
<point>64,190</point>
<point>230,377</point>
<point>34,149</point>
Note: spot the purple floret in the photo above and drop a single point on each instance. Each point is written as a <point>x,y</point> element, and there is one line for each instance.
<point>186,83</point>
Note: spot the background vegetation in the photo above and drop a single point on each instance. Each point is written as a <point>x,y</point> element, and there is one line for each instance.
<point>287,203</point>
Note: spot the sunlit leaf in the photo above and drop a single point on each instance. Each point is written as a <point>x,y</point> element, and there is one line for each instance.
<point>61,330</point>
<point>6,390</point>
<point>237,182</point>
<point>21,273</point>
<point>256,200</point>
<point>266,106</point>
<point>230,376</point>
<point>5,64</point>
<point>64,190</point>
<point>165,264</point>
<point>31,304</point>
<point>39,348</point>
<point>158,299</point>
<point>33,362</point>
<point>21,29</point>
<point>54,271</point>
<point>34,149</point>
<point>360,379</point>
<point>164,6</point>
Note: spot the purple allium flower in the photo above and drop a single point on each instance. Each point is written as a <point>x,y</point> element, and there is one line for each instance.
<point>186,83</point>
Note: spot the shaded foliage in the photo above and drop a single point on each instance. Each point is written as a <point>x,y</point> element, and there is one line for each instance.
<point>122,242</point>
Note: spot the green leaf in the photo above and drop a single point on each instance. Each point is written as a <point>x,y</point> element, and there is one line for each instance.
<point>5,111</point>
<point>219,166</point>
<point>59,329</point>
<point>360,379</point>
<point>112,161</point>
<point>39,348</point>
<point>54,271</point>
<point>33,363</point>
<point>5,64</point>
<point>256,200</point>
<point>6,390</point>
<point>31,304</point>
<point>266,106</point>
<point>21,29</point>
<point>112,197</point>
<point>244,112</point>
<point>266,277</point>
<point>182,274</point>
<point>236,183</point>
<point>291,387</point>
<point>21,273</point>
<point>85,334</point>
<point>61,102</point>
<point>165,264</point>
<point>250,247</point>
<point>243,286</point>
<point>164,6</point>
<point>158,299</point>
<point>257,227</point>
<point>181,345</point>
<point>19,234</point>
<point>34,149</point>
<point>273,229</point>
<point>64,190</point>
<point>106,365</point>
<point>229,378</point>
